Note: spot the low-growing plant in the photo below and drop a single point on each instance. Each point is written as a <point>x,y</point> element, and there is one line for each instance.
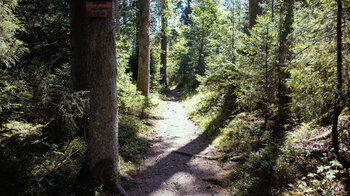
<point>325,181</point>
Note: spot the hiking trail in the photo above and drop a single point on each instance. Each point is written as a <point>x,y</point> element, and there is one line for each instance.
<point>180,161</point>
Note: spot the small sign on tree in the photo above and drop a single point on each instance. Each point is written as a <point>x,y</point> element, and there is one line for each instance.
<point>99,8</point>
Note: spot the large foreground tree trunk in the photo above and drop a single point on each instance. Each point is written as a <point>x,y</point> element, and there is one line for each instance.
<point>143,75</point>
<point>94,55</point>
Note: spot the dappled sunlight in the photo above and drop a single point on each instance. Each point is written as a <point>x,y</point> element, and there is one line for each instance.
<point>180,183</point>
<point>177,162</point>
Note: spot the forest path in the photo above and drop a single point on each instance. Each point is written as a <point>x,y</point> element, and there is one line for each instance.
<point>178,162</point>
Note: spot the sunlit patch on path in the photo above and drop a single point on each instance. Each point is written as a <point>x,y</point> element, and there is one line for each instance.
<point>176,163</point>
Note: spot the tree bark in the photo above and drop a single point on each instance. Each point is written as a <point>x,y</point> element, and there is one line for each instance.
<point>338,94</point>
<point>143,75</point>
<point>164,43</point>
<point>96,58</point>
<point>254,11</point>
<point>163,60</point>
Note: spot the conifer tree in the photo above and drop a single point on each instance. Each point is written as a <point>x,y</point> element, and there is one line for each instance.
<point>94,50</point>
<point>143,76</point>
<point>339,89</point>
<point>164,41</point>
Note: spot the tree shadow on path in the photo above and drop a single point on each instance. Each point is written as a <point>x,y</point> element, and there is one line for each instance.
<point>185,170</point>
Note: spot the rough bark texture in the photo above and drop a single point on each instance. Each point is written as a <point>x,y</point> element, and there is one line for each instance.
<point>254,10</point>
<point>338,95</point>
<point>143,75</point>
<point>96,58</point>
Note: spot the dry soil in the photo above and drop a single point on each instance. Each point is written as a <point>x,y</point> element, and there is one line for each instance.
<point>178,162</point>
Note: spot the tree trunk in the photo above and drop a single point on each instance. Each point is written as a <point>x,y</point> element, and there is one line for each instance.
<point>338,95</point>
<point>117,21</point>
<point>143,75</point>
<point>283,75</point>
<point>97,59</point>
<point>163,60</point>
<point>201,66</point>
<point>124,17</point>
<point>164,42</point>
<point>233,41</point>
<point>187,13</point>
<point>79,41</point>
<point>254,11</point>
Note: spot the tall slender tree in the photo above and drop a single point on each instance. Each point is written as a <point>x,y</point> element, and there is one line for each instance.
<point>117,21</point>
<point>254,10</point>
<point>339,91</point>
<point>94,55</point>
<point>143,75</point>
<point>286,22</point>
<point>187,13</point>
<point>164,41</point>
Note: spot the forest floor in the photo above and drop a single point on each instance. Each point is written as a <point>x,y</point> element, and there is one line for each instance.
<point>180,161</point>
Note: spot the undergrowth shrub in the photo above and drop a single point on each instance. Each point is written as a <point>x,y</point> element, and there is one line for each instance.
<point>243,134</point>
<point>30,166</point>
<point>66,110</point>
<point>212,110</point>
<point>325,181</point>
<point>132,144</point>
<point>14,96</point>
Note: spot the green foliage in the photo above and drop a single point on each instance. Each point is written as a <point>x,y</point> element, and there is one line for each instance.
<point>257,68</point>
<point>323,182</point>
<point>132,146</point>
<point>13,97</point>
<point>130,101</point>
<point>313,71</point>
<point>65,109</point>
<point>243,134</point>
<point>11,48</point>
<point>203,37</point>
<point>31,166</point>
<point>238,74</point>
<point>291,51</point>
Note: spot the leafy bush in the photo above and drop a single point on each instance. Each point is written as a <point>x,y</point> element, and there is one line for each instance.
<point>323,182</point>
<point>11,48</point>
<point>66,110</point>
<point>132,145</point>
<point>242,135</point>
<point>14,97</point>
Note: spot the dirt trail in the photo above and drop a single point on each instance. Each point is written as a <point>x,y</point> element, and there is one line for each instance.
<point>177,163</point>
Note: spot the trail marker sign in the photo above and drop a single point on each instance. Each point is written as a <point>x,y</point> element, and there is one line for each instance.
<point>99,8</point>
